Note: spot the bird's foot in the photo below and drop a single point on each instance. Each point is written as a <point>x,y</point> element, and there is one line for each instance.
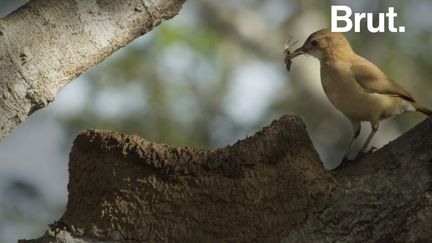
<point>371,150</point>
<point>345,160</point>
<point>361,154</point>
<point>342,164</point>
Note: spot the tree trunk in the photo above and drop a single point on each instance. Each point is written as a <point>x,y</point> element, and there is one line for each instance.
<point>270,187</point>
<point>47,43</point>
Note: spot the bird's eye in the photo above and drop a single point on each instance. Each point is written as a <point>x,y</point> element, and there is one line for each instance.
<point>314,43</point>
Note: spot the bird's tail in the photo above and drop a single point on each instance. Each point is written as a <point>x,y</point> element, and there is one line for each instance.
<point>423,109</point>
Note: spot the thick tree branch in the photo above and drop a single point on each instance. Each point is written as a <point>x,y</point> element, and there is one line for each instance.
<point>266,188</point>
<point>47,43</point>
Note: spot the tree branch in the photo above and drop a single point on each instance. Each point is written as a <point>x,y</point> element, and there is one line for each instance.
<point>47,43</point>
<point>266,188</point>
<point>129,188</point>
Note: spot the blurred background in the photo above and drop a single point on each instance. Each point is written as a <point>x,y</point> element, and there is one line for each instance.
<point>210,76</point>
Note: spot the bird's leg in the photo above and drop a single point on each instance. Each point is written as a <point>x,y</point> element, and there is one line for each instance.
<point>356,128</point>
<point>372,133</point>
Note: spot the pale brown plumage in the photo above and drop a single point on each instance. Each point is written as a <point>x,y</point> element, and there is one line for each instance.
<point>354,85</point>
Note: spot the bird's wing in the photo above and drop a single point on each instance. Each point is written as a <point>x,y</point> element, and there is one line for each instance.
<point>373,80</point>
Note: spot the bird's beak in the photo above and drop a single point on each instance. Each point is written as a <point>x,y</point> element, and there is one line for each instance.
<point>298,52</point>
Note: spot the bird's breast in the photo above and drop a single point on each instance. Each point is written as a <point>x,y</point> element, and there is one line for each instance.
<point>350,98</point>
<point>338,82</point>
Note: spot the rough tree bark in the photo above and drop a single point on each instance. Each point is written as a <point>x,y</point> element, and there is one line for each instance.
<point>270,187</point>
<point>47,43</point>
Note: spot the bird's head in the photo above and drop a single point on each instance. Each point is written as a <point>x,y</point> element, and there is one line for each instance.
<point>323,43</point>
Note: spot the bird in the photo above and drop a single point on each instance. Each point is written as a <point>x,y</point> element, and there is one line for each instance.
<point>355,86</point>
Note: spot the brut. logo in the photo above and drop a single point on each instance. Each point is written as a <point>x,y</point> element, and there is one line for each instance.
<point>345,18</point>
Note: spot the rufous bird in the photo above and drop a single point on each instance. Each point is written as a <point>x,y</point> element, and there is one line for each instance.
<point>354,85</point>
